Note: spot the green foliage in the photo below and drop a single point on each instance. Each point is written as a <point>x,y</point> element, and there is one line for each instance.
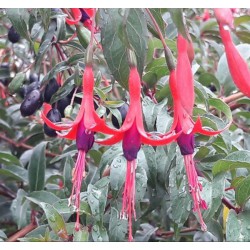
<point>36,170</point>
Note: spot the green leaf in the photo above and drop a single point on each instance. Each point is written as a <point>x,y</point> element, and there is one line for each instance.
<point>19,209</point>
<point>62,92</point>
<point>145,232</point>
<point>55,220</point>
<point>242,191</point>
<point>60,28</point>
<point>67,174</point>
<point>9,159</point>
<point>19,19</point>
<point>45,16</point>
<point>238,159</point>
<point>236,181</point>
<point>42,196</point>
<point>122,29</point>
<point>207,79</point>
<point>36,30</point>
<point>117,226</point>
<point>16,83</point>
<point>177,17</point>
<point>108,156</point>
<point>222,106</point>
<point>36,168</point>
<point>117,172</point>
<point>244,36</point>
<point>150,156</point>
<point>141,183</point>
<point>15,172</point>
<point>62,206</point>
<point>70,151</point>
<point>212,193</point>
<point>155,70</point>
<point>151,110</point>
<point>181,203</point>
<point>97,197</point>
<point>46,43</point>
<point>241,20</point>
<point>237,227</point>
<point>81,236</point>
<point>99,233</point>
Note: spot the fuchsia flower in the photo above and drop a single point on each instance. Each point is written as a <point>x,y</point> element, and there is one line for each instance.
<point>224,16</point>
<point>182,88</point>
<point>83,15</point>
<point>132,135</point>
<point>238,67</point>
<point>181,84</point>
<point>81,130</point>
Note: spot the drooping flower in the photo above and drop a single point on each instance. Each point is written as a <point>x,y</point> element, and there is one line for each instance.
<point>83,15</point>
<point>84,142</point>
<point>132,135</point>
<point>81,130</point>
<point>224,16</point>
<point>182,88</point>
<point>238,67</point>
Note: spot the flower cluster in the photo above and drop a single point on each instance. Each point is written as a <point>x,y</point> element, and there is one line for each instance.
<point>132,133</point>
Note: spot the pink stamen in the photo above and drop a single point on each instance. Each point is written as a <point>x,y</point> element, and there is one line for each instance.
<point>78,175</point>
<point>128,199</point>
<point>195,188</point>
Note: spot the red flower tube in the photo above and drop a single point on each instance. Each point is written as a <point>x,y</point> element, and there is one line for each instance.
<point>237,65</point>
<point>182,88</point>
<point>224,16</point>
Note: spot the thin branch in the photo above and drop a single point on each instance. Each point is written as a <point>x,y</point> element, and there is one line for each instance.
<point>62,55</point>
<point>229,205</point>
<point>5,191</point>
<point>233,97</point>
<point>22,232</point>
<point>244,128</point>
<point>23,145</point>
<point>171,233</point>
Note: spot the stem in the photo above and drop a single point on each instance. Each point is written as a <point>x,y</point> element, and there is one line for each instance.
<point>63,57</point>
<point>244,128</point>
<point>171,233</point>
<point>229,205</point>
<point>90,49</point>
<point>167,51</point>
<point>22,232</point>
<point>23,145</point>
<point>233,97</point>
<point>6,191</point>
